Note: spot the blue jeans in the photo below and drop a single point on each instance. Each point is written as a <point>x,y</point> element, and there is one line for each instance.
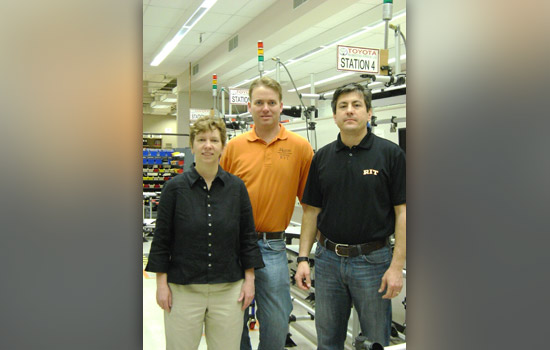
<point>341,282</point>
<point>272,297</point>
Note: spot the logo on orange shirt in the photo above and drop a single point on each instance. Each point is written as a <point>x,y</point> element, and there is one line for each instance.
<point>284,153</point>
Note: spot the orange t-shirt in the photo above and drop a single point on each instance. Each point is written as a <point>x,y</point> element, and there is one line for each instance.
<point>274,174</point>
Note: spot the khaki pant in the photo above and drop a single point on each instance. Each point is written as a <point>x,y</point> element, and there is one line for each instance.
<point>215,306</point>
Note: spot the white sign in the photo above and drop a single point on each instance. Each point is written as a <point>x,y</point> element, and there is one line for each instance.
<point>358,59</point>
<point>238,96</point>
<point>195,114</point>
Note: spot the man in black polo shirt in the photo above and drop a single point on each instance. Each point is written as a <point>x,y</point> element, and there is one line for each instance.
<point>354,200</point>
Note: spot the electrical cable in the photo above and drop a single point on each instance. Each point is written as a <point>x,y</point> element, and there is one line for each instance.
<point>404,40</point>
<point>306,112</point>
<point>392,26</point>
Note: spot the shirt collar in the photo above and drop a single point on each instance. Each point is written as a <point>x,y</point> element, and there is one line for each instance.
<point>282,135</point>
<point>194,176</point>
<point>366,142</point>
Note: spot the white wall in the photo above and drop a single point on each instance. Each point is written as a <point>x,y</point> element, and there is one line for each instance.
<point>160,124</point>
<point>178,124</point>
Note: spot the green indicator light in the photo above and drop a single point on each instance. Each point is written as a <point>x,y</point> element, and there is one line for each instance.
<point>214,86</point>
<point>260,58</point>
<point>388,1</point>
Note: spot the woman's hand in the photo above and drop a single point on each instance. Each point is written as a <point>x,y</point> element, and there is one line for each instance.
<point>247,289</point>
<point>164,294</point>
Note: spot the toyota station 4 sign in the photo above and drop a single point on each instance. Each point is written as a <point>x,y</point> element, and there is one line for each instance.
<point>358,59</point>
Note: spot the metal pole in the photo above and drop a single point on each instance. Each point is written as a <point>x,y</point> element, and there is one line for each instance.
<point>189,107</point>
<point>303,305</point>
<point>397,50</point>
<point>223,102</point>
<point>387,8</point>
<point>313,135</point>
<point>386,27</point>
<point>312,87</point>
<point>312,96</point>
<point>165,133</point>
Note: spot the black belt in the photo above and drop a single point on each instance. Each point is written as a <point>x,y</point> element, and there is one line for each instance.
<point>351,250</point>
<point>271,235</point>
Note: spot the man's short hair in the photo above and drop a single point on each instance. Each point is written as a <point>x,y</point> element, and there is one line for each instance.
<point>267,82</point>
<point>352,87</point>
<point>205,124</point>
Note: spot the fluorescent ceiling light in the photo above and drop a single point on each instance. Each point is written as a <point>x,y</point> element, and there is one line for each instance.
<point>307,54</point>
<point>353,35</point>
<point>336,77</point>
<point>190,23</point>
<point>251,79</point>
<point>244,82</point>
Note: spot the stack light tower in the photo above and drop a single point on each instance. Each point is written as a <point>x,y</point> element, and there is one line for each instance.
<point>261,57</point>
<point>214,85</point>
<point>214,88</point>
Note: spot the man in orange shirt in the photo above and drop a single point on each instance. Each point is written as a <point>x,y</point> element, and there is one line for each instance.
<point>273,163</point>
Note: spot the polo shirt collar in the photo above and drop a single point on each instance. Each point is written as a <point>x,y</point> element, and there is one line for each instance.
<point>366,142</point>
<point>194,176</point>
<point>282,135</point>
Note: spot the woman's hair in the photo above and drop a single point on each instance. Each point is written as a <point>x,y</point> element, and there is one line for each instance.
<point>207,123</point>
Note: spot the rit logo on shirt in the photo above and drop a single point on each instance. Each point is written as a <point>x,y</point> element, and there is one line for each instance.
<point>370,172</point>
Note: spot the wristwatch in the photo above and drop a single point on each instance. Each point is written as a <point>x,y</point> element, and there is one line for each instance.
<point>302,258</point>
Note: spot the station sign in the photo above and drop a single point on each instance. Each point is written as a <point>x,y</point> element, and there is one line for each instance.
<point>358,59</point>
<point>195,114</point>
<point>238,96</point>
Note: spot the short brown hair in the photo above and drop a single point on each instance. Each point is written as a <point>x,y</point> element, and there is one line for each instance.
<point>207,123</point>
<point>267,82</point>
<point>352,87</point>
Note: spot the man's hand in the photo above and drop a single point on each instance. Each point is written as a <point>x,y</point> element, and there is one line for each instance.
<point>392,282</point>
<point>302,278</point>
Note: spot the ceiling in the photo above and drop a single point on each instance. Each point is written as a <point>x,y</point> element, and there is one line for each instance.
<point>286,32</point>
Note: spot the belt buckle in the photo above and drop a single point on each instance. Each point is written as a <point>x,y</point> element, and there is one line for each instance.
<point>341,245</point>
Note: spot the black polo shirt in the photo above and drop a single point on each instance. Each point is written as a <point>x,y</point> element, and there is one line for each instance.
<point>204,235</point>
<point>357,189</point>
